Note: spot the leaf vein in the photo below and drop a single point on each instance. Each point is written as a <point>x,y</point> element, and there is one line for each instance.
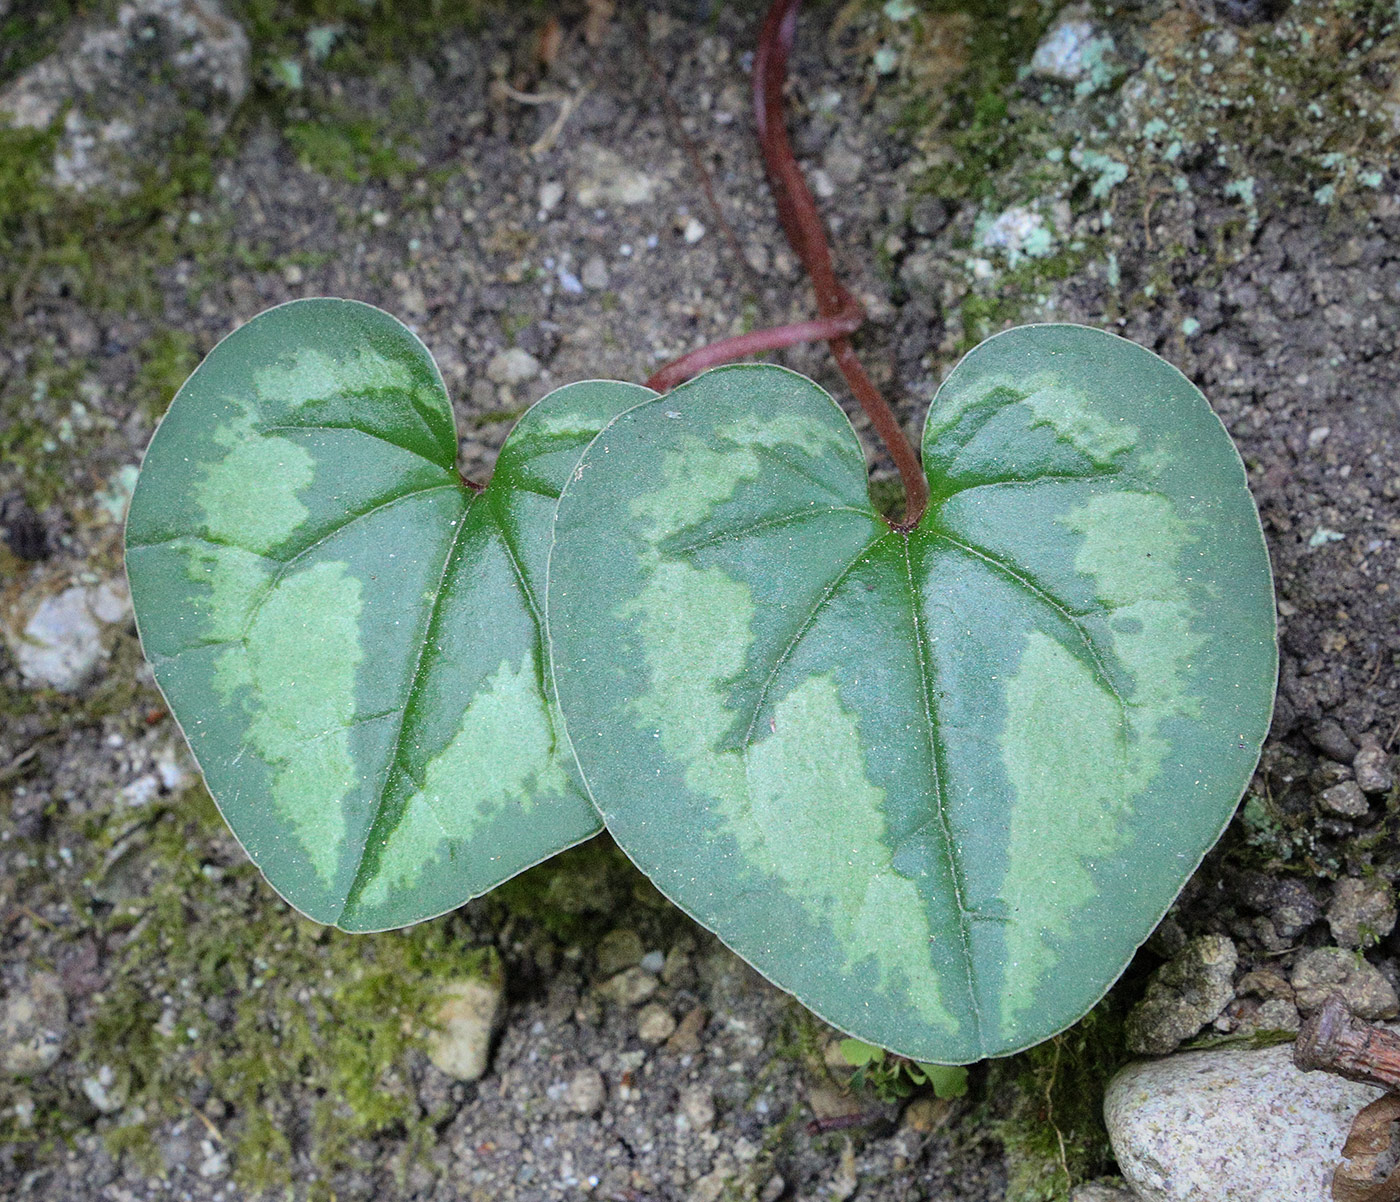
<point>415,684</point>
<point>767,523</point>
<point>955,868</point>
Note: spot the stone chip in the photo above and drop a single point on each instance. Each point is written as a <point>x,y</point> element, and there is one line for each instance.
<point>1230,1123</point>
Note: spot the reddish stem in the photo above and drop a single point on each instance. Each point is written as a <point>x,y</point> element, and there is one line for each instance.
<point>841,313</point>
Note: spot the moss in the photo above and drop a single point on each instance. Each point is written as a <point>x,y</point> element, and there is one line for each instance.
<point>225,1004</point>
<point>36,410</point>
<point>578,895</point>
<point>368,32</point>
<point>984,311</point>
<point>1055,1137</point>
<point>970,120</point>
<point>350,148</point>
<point>167,357</point>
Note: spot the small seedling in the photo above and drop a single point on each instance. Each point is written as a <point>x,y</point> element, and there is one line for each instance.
<point>892,1077</point>
<point>937,777</point>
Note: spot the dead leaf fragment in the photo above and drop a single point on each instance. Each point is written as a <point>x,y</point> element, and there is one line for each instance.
<point>1367,1172</point>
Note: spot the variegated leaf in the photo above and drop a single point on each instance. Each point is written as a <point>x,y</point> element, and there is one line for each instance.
<point>348,636</point>
<point>940,785</point>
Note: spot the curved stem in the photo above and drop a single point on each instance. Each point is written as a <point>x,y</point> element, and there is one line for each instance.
<point>726,350</point>
<point>841,313</point>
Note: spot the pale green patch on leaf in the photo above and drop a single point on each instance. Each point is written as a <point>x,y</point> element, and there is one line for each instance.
<point>939,785</point>
<point>350,638</point>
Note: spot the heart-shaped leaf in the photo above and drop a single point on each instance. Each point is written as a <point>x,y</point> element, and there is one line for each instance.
<point>350,637</point>
<point>939,785</point>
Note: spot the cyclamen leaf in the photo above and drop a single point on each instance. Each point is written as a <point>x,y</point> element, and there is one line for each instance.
<point>349,637</point>
<point>939,786</point>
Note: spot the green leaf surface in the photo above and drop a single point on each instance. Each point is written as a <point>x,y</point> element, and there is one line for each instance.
<point>941,785</point>
<point>349,637</point>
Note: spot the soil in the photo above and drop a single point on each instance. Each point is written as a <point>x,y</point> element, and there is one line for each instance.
<point>246,1050</point>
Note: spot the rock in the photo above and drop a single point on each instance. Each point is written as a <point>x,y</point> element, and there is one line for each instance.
<point>603,178</point>
<point>697,1107</point>
<point>687,1036</point>
<point>1345,799</point>
<point>844,163</point>
<point>1361,912</point>
<point>106,1089</point>
<point>33,1022</point>
<point>1096,1191</point>
<point>513,366</point>
<point>676,969</point>
<point>928,216</point>
<point>923,270</point>
<point>1237,1124</point>
<point>466,1020</point>
<point>1071,48</point>
<point>58,640</point>
<point>1183,996</point>
<point>1292,909</point>
<point>1330,739</point>
<point>1374,773</point>
<point>653,962</point>
<point>586,1093</point>
<point>1327,970</point>
<point>711,1187</point>
<point>595,273</point>
<point>618,949</point>
<point>129,92</point>
<point>551,193</point>
<point>1019,233</point>
<point>630,987</point>
<point>655,1024</point>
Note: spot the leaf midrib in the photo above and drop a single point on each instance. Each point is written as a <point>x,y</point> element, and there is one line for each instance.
<point>359,881</point>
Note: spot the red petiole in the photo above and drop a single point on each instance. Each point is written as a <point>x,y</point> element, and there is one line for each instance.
<point>841,314</point>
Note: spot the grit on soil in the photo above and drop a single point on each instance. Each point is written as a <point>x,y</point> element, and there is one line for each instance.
<point>211,1044</point>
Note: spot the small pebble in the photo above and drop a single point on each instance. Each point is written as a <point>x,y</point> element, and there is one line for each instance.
<point>595,274</point>
<point>551,193</point>
<point>631,987</point>
<point>653,962</point>
<point>1361,912</point>
<point>513,366</point>
<point>586,1093</point>
<point>1183,995</point>
<point>655,1024</point>
<point>618,949</point>
<point>687,1035</point>
<point>1345,799</point>
<point>1374,773</point>
<point>1327,970</point>
<point>33,1023</point>
<point>697,1107</point>
<point>926,1115</point>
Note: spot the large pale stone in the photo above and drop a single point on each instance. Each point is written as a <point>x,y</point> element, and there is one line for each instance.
<point>57,640</point>
<point>466,1020</point>
<point>1242,1125</point>
<point>125,94</point>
